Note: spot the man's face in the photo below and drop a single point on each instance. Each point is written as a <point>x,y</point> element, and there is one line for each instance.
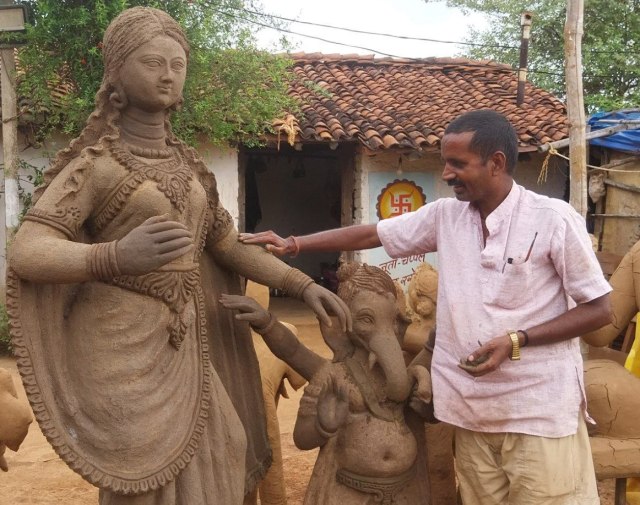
<point>464,170</point>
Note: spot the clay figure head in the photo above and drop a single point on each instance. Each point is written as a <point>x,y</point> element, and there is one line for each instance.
<point>371,297</point>
<point>123,41</point>
<point>423,291</point>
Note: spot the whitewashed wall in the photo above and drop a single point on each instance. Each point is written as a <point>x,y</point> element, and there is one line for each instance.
<point>372,172</point>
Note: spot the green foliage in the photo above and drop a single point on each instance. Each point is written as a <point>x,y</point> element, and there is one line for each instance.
<point>610,45</point>
<point>233,90</point>
<point>34,177</point>
<point>5,338</point>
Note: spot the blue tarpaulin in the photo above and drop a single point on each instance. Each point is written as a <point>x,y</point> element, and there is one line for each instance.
<point>627,141</point>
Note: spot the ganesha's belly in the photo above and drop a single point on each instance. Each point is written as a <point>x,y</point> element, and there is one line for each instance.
<point>372,447</point>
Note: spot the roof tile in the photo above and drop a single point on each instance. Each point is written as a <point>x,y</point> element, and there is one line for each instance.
<point>388,103</point>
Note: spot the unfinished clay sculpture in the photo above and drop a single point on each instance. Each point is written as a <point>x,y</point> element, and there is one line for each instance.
<point>354,406</point>
<point>112,294</point>
<point>422,295</point>
<point>15,417</point>
<point>625,299</point>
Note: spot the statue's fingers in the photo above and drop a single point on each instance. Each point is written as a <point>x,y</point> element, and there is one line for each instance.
<point>173,245</point>
<point>172,234</point>
<point>171,255</point>
<point>156,219</point>
<point>160,226</point>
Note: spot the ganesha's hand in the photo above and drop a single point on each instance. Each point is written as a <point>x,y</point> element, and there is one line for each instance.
<point>323,302</point>
<point>151,245</point>
<point>272,241</point>
<point>248,310</point>
<point>422,392</point>
<point>333,407</point>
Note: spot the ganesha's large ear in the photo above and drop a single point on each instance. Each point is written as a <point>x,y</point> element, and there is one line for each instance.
<point>336,338</point>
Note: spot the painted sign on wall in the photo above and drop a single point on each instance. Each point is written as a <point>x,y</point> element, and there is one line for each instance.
<point>391,195</point>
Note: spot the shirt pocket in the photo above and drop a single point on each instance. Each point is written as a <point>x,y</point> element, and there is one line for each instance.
<point>508,287</point>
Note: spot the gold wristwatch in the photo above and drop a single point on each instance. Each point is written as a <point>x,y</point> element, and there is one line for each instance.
<point>515,345</point>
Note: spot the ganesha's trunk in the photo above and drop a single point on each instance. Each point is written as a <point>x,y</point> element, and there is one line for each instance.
<point>389,356</point>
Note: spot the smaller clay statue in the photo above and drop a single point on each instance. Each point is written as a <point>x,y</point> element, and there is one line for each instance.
<point>422,295</point>
<point>15,417</point>
<point>371,447</point>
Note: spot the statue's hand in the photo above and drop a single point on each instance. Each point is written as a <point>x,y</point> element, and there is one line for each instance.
<point>333,406</point>
<point>323,302</point>
<point>421,393</point>
<point>273,242</point>
<point>248,310</point>
<point>152,244</point>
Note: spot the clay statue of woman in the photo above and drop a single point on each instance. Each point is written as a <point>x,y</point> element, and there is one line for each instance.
<point>354,408</point>
<point>139,379</point>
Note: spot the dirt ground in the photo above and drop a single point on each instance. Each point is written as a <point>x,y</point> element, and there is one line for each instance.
<point>38,477</point>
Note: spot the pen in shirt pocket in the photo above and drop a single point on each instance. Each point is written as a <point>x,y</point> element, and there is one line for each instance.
<point>512,261</point>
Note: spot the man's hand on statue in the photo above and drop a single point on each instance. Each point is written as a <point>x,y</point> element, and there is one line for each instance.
<point>152,244</point>
<point>325,303</point>
<point>248,309</point>
<point>333,406</point>
<point>488,357</point>
<point>273,242</point>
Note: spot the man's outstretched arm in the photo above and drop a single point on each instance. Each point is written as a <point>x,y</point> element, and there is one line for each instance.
<point>349,238</point>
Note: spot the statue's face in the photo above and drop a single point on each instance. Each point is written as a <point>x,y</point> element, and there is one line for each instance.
<point>153,75</point>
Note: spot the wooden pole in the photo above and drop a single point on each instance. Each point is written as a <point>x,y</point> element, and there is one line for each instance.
<point>525,24</point>
<point>575,106</point>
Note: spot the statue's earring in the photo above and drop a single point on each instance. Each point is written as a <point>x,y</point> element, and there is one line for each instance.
<point>118,99</point>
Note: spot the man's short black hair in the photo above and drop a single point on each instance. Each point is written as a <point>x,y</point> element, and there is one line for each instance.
<point>492,132</point>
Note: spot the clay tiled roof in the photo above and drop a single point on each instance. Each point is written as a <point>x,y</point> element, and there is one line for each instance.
<point>389,103</point>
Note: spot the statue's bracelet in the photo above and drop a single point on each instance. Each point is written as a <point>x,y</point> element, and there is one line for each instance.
<point>323,432</point>
<point>267,327</point>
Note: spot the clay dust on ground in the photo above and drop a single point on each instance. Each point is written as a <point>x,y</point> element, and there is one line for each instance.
<point>38,477</point>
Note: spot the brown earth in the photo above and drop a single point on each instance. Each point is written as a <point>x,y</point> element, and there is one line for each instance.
<point>38,477</point>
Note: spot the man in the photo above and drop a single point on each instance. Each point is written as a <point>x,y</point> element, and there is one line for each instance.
<point>516,271</point>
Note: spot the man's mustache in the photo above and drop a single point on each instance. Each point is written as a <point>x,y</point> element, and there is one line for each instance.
<point>454,182</point>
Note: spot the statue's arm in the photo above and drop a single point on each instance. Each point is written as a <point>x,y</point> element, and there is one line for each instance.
<point>254,263</point>
<point>625,299</point>
<point>44,248</point>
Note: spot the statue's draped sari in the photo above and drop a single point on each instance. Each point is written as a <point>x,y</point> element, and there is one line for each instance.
<point>119,373</point>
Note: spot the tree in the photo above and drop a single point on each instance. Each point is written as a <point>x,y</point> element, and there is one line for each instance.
<point>611,45</point>
<point>233,90</point>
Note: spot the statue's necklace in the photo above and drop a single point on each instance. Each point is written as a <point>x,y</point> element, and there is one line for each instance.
<point>165,167</point>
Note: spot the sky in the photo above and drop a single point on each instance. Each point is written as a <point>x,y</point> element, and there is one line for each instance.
<point>409,18</point>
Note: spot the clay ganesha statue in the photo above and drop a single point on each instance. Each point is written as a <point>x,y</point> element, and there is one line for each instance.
<point>371,447</point>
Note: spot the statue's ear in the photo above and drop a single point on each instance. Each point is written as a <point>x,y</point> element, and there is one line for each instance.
<point>401,324</point>
<point>337,340</point>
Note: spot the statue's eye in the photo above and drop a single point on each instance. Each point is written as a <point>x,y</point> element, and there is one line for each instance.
<point>366,319</point>
<point>152,62</point>
<point>177,65</point>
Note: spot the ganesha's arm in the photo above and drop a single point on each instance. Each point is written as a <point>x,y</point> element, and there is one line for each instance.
<point>625,299</point>
<point>306,434</point>
<point>285,345</point>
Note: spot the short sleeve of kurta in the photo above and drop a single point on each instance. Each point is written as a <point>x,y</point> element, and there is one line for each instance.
<point>411,233</point>
<point>575,261</point>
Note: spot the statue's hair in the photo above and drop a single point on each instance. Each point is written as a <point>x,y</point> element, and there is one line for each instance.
<point>424,277</point>
<point>355,277</point>
<point>128,31</point>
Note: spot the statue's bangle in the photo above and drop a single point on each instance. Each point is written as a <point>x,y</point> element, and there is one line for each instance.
<point>262,330</point>
<point>295,282</point>
<point>103,262</point>
<point>323,432</point>
<point>296,246</point>
<point>515,345</point>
